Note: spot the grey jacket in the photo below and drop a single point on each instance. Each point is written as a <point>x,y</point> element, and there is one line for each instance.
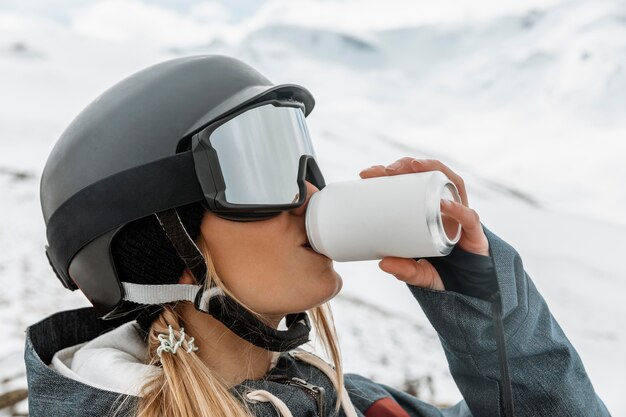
<point>506,352</point>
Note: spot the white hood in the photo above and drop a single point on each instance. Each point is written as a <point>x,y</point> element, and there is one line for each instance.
<point>114,361</point>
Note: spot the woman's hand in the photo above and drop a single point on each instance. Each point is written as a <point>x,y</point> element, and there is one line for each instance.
<point>422,273</point>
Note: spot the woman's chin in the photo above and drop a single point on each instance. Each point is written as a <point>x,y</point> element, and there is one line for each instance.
<point>334,286</point>
<point>324,292</point>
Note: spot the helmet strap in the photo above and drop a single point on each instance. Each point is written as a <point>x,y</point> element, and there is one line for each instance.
<point>186,248</point>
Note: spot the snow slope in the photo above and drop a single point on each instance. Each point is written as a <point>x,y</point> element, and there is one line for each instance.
<point>524,101</point>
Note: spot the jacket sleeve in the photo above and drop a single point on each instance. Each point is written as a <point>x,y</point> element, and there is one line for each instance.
<point>506,348</point>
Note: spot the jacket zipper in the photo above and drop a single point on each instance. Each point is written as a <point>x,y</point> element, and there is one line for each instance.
<point>505,376</point>
<point>316,392</point>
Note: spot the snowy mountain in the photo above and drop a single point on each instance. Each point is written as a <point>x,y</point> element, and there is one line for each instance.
<point>524,101</point>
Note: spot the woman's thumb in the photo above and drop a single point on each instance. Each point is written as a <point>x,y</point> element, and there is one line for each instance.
<point>419,273</point>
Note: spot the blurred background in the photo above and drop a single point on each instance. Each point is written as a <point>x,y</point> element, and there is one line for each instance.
<point>525,100</point>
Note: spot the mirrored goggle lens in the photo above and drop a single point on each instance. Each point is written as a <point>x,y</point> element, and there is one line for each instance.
<point>259,151</point>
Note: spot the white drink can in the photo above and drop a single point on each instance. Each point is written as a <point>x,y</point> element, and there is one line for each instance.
<point>396,215</point>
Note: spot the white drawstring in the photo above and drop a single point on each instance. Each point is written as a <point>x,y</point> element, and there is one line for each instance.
<point>319,363</point>
<point>265,396</point>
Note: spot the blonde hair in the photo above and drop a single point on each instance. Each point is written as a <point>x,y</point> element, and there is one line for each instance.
<point>175,392</point>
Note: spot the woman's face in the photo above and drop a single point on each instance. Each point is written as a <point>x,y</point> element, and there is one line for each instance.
<point>265,265</point>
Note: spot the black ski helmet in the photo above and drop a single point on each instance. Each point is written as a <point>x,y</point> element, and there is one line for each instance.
<point>117,161</point>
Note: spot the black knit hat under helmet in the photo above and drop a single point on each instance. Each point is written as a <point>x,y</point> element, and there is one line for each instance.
<point>143,254</point>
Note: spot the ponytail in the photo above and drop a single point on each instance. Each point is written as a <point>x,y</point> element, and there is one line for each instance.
<point>186,386</point>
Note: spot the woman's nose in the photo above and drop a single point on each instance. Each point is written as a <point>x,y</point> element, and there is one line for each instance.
<point>310,190</point>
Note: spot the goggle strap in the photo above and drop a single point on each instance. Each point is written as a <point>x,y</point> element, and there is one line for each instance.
<point>165,183</point>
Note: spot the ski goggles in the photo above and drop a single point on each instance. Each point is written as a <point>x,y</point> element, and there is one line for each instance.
<point>253,164</point>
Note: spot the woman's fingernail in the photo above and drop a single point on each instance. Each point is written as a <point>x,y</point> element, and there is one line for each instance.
<point>446,203</point>
<point>418,163</point>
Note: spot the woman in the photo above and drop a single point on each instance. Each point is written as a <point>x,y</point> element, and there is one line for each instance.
<point>175,202</point>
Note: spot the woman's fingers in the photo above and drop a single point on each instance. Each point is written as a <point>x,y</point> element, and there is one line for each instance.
<point>473,237</point>
<point>468,217</point>
<point>373,171</point>
<point>407,165</point>
<point>436,165</point>
<point>419,273</point>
